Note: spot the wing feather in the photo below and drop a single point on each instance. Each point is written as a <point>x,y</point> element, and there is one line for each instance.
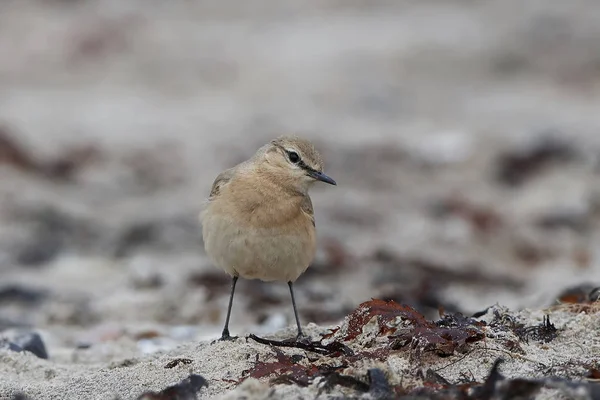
<point>220,181</point>
<point>307,208</point>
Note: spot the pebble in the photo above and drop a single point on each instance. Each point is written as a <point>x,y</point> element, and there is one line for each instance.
<point>25,341</point>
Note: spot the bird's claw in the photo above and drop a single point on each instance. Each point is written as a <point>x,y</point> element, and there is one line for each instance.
<point>225,336</point>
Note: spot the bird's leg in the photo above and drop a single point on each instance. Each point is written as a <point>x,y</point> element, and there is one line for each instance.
<point>300,334</point>
<point>225,335</point>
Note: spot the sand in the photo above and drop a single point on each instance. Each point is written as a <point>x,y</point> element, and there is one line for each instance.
<point>226,364</point>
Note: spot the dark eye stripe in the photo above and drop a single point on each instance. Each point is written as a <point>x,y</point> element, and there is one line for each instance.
<point>303,165</point>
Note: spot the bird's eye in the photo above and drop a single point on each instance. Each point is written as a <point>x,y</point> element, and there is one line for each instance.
<point>293,156</point>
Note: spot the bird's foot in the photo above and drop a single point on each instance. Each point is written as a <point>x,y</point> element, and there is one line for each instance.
<point>300,338</point>
<point>225,336</point>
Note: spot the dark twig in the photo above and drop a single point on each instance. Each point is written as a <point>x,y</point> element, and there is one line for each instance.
<point>316,347</point>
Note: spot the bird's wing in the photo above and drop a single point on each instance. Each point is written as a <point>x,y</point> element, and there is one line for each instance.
<point>220,181</point>
<point>307,208</point>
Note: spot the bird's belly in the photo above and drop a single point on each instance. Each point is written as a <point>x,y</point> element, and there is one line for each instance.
<point>266,254</point>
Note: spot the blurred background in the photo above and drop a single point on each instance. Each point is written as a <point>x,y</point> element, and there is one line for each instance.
<point>464,137</point>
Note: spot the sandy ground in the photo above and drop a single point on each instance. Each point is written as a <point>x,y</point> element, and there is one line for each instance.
<point>463,136</point>
<point>233,367</point>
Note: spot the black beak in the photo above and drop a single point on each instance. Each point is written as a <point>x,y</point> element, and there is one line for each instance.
<point>322,177</point>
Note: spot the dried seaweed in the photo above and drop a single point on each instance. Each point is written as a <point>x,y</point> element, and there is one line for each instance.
<point>332,332</point>
<point>594,373</point>
<point>580,294</point>
<point>483,219</point>
<point>404,326</point>
<point>386,312</point>
<point>63,167</point>
<point>505,322</point>
<point>515,168</point>
<point>544,332</point>
<point>289,370</point>
<point>178,361</point>
<point>380,354</point>
<point>513,346</point>
<point>453,331</point>
<point>286,367</point>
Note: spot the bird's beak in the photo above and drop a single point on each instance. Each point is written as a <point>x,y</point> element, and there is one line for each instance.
<point>322,177</point>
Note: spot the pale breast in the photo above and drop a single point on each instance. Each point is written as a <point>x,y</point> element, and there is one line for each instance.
<point>279,253</point>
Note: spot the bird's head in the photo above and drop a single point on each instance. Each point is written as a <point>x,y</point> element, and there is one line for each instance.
<point>294,161</point>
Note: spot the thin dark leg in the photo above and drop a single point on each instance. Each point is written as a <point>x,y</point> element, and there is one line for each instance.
<point>300,334</point>
<point>225,335</point>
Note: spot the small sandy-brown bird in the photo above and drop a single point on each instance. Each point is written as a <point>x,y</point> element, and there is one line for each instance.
<point>258,222</point>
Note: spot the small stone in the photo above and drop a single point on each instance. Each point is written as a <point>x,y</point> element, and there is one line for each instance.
<point>185,390</point>
<point>83,345</point>
<point>31,342</point>
<point>20,396</point>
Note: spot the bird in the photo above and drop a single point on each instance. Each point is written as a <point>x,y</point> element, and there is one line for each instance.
<point>258,221</point>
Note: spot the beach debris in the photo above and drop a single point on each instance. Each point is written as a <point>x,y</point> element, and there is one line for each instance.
<point>513,168</point>
<point>187,389</point>
<point>178,361</point>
